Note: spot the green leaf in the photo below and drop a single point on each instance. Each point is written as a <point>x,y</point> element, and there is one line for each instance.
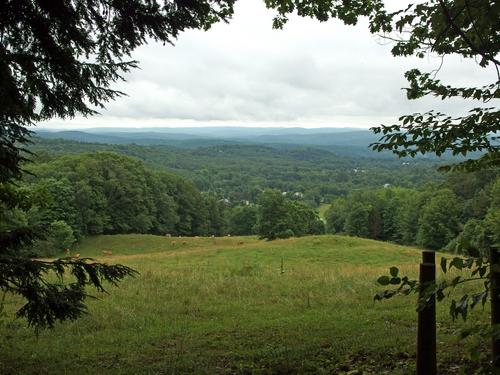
<point>395,281</point>
<point>440,295</point>
<point>458,263</point>
<point>384,280</point>
<point>455,281</point>
<point>482,271</point>
<point>394,271</point>
<point>443,265</point>
<point>453,309</point>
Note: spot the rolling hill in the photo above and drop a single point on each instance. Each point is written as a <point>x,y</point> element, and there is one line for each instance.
<point>343,141</point>
<point>236,305</point>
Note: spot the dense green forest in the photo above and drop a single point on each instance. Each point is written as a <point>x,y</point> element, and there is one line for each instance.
<point>89,188</point>
<point>460,214</point>
<point>87,194</point>
<point>240,172</point>
<point>107,193</point>
<point>342,141</point>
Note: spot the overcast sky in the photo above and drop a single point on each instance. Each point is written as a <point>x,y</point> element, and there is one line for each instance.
<point>245,73</point>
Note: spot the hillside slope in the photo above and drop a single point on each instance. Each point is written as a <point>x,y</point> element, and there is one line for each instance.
<point>240,172</point>
<point>236,305</point>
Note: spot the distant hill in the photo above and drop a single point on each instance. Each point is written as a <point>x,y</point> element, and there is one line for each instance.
<point>358,138</point>
<point>348,142</point>
<point>139,138</point>
<point>342,141</point>
<point>241,171</point>
<point>223,131</point>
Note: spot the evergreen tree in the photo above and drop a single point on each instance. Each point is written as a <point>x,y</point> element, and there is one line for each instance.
<point>59,59</point>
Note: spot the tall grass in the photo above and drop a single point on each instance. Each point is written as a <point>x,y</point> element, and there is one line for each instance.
<point>219,306</point>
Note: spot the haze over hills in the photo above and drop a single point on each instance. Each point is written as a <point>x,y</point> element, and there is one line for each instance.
<point>343,141</point>
<point>221,131</point>
<point>349,142</point>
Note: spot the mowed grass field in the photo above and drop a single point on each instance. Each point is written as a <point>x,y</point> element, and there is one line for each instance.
<point>236,305</point>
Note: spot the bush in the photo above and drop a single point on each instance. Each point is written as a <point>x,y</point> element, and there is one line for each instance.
<point>285,234</point>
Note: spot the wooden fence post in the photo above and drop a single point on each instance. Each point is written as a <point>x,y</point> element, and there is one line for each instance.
<point>495,305</point>
<point>426,332</point>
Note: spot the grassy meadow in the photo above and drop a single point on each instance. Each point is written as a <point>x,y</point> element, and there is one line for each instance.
<point>235,305</point>
<point>322,211</point>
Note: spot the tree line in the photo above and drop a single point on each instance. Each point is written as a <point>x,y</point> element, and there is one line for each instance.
<point>241,172</point>
<point>107,193</point>
<point>462,215</point>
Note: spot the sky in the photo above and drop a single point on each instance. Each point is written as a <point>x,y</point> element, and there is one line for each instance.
<point>244,73</point>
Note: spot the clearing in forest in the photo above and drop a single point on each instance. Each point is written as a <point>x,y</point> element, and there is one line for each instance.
<point>235,305</point>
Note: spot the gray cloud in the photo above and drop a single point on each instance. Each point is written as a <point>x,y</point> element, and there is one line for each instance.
<point>244,72</point>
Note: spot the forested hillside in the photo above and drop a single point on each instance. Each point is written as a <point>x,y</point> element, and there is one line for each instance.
<point>95,188</point>
<point>461,214</point>
<point>241,172</point>
<point>348,142</point>
<point>343,141</point>
<point>107,193</point>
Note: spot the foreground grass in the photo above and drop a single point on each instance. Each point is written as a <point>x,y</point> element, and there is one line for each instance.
<point>227,305</point>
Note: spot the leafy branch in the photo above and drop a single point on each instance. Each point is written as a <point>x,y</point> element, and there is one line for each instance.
<point>421,133</point>
<point>479,269</point>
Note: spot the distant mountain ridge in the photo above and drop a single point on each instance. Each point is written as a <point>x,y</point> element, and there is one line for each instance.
<point>222,131</point>
<point>241,171</point>
<point>344,141</point>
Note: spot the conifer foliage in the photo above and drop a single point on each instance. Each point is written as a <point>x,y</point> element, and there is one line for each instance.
<point>59,58</point>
